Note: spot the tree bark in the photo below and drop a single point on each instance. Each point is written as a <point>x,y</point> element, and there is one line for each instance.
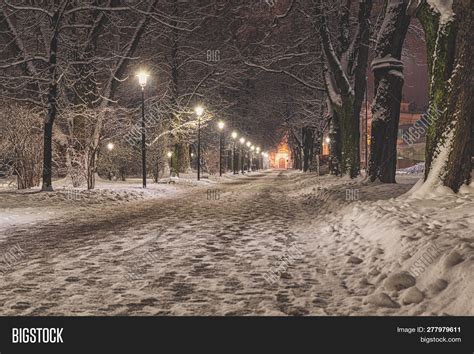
<point>449,43</point>
<point>308,147</point>
<point>388,73</point>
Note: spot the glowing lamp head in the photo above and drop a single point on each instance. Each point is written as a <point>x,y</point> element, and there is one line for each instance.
<point>199,110</point>
<point>263,154</point>
<point>328,140</point>
<point>234,135</point>
<point>220,125</point>
<point>252,148</point>
<point>249,143</point>
<point>110,146</point>
<point>192,154</point>
<point>169,154</point>
<point>142,78</point>
<point>242,141</point>
<point>258,149</point>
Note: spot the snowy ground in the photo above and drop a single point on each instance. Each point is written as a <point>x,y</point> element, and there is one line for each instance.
<point>269,243</point>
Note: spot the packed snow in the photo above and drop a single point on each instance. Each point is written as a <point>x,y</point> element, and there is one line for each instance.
<point>266,243</point>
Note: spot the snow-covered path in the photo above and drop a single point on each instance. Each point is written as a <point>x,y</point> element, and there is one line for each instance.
<point>252,245</point>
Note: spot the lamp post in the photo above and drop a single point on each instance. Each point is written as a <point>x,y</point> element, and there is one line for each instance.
<point>252,149</point>
<point>199,111</point>
<point>142,79</point>
<point>220,126</point>
<point>258,157</point>
<point>234,136</point>
<point>170,154</point>
<point>242,142</point>
<point>248,155</point>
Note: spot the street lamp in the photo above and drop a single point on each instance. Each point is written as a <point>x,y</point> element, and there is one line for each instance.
<point>199,110</point>
<point>258,157</point>
<point>142,79</point>
<point>110,146</point>
<point>170,154</point>
<point>252,149</point>
<point>220,126</point>
<point>234,136</point>
<point>249,144</point>
<point>242,142</point>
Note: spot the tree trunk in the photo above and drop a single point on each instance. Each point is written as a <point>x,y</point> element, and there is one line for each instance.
<point>52,109</point>
<point>334,145</point>
<point>388,73</point>
<point>449,43</point>
<point>345,66</point>
<point>308,147</point>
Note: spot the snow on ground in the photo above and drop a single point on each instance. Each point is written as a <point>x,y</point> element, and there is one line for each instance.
<point>267,243</point>
<point>411,256</point>
<point>25,207</point>
<point>419,168</point>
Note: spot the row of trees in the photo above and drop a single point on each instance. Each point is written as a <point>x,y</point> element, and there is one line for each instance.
<point>447,35</point>
<point>352,35</point>
<point>73,62</point>
<point>270,69</point>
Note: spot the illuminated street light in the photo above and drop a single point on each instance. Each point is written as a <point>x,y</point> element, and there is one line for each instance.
<point>110,146</point>
<point>220,126</point>
<point>142,79</point>
<point>242,142</point>
<point>328,140</point>
<point>249,143</point>
<point>234,164</point>
<point>199,110</point>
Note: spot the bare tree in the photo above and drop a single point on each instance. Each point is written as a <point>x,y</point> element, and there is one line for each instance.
<point>20,143</point>
<point>345,80</point>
